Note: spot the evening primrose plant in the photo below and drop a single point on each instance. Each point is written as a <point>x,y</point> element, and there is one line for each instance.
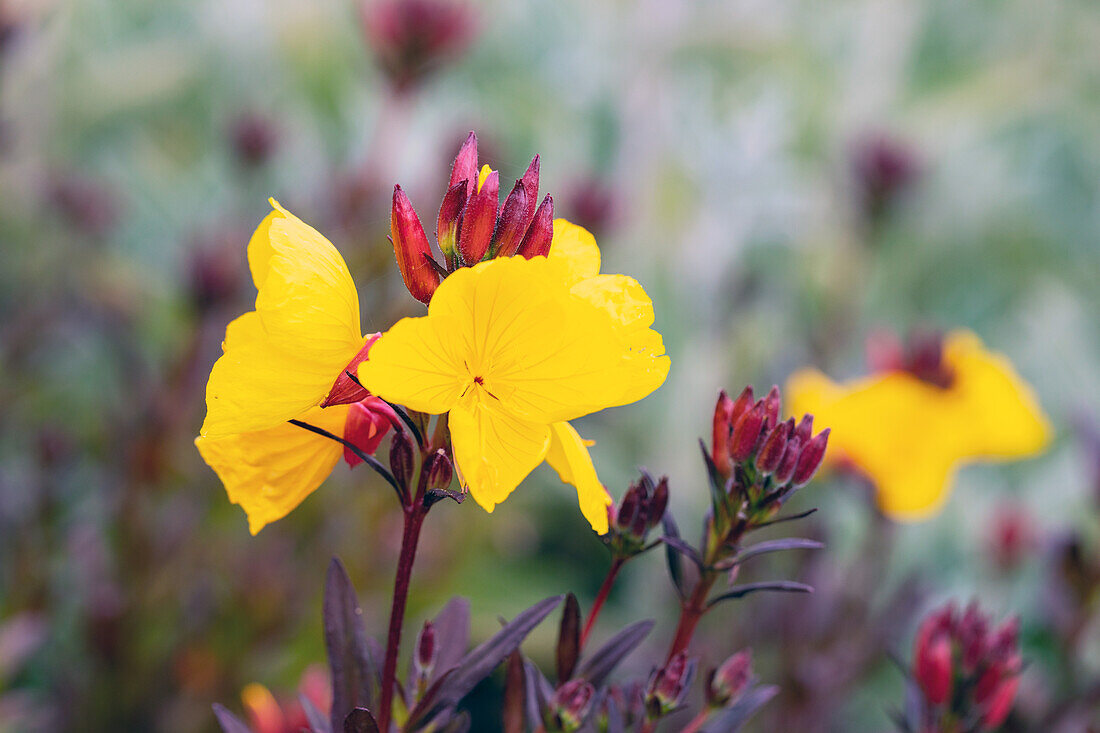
<point>522,334</point>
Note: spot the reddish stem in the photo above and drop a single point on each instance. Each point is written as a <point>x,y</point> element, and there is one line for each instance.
<point>691,611</point>
<point>414,519</point>
<point>697,722</point>
<point>605,589</point>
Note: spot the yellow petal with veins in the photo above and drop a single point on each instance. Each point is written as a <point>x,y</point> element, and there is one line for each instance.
<point>569,456</point>
<point>270,472</point>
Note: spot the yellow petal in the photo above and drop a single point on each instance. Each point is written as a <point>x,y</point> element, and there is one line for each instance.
<point>307,300</point>
<point>1004,415</point>
<point>255,385</point>
<point>493,450</point>
<point>283,358</point>
<point>569,456</point>
<point>575,248</point>
<point>270,472</point>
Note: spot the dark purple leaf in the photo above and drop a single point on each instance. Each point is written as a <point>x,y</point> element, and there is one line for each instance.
<point>730,720</point>
<point>683,548</point>
<point>761,548</point>
<point>569,639</point>
<point>740,591</point>
<point>684,575</point>
<point>360,720</point>
<point>539,692</point>
<point>354,674</point>
<point>452,632</point>
<point>791,518</point>
<point>597,666</point>
<point>229,722</point>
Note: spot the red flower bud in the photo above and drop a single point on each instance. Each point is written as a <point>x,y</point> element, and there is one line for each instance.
<point>933,660</point>
<point>805,429</point>
<point>810,460</point>
<point>513,222</point>
<point>571,703</point>
<point>658,503</point>
<point>440,470</point>
<point>366,425</point>
<point>731,679</point>
<point>540,235</point>
<point>464,169</point>
<point>668,685</point>
<point>629,508</point>
<point>775,445</point>
<point>450,216</point>
<point>789,463</point>
<point>746,431</point>
<point>410,246</point>
<point>401,457</point>
<point>346,390</point>
<point>720,436</point>
<point>479,220</point>
<point>531,187</point>
<point>771,405</point>
<point>426,649</point>
<point>973,636</point>
<point>1000,703</point>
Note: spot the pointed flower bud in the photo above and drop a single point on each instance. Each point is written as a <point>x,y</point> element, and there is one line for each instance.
<point>513,223</point>
<point>440,470</point>
<point>1000,704</point>
<point>720,433</point>
<point>531,187</point>
<point>426,650</point>
<point>629,508</point>
<point>346,389</point>
<point>464,169</point>
<point>771,405</point>
<point>540,235</point>
<point>810,460</point>
<point>366,425</point>
<point>730,680</point>
<point>480,218</point>
<point>746,432</point>
<point>401,457</point>
<point>571,703</point>
<point>787,466</point>
<point>775,445</point>
<point>805,429</point>
<point>668,685</point>
<point>658,503</point>
<point>450,216</point>
<point>410,246</point>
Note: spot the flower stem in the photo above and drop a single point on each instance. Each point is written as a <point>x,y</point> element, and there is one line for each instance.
<point>605,589</point>
<point>691,611</point>
<point>414,519</point>
<point>696,722</point>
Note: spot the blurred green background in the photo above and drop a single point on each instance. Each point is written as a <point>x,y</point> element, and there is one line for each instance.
<point>784,176</point>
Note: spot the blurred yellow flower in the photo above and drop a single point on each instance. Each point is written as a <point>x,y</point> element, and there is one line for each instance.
<point>513,348</point>
<point>909,436</point>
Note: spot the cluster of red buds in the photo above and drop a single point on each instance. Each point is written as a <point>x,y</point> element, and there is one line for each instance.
<point>759,458</point>
<point>966,670</point>
<point>920,355</point>
<point>410,39</point>
<point>669,685</point>
<point>570,705</point>
<point>641,509</point>
<point>472,225</point>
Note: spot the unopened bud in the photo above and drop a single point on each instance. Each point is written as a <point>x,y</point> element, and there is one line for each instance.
<point>531,188</point>
<point>464,168</point>
<point>540,235</point>
<point>401,458</point>
<point>720,435</point>
<point>775,445</point>
<point>973,635</point>
<point>480,218</point>
<point>668,685</point>
<point>264,711</point>
<point>658,503</point>
<point>789,463</point>
<point>810,460</point>
<point>934,669</point>
<point>513,223</point>
<point>450,215</point>
<point>426,649</point>
<point>440,470</point>
<point>1000,703</point>
<point>410,246</point>
<point>730,680</point>
<point>571,703</point>
<point>771,405</point>
<point>746,431</point>
<point>365,426</point>
<point>805,429</point>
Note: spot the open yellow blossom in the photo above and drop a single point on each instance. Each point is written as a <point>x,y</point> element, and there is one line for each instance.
<point>282,358</point>
<point>909,436</point>
<point>512,349</point>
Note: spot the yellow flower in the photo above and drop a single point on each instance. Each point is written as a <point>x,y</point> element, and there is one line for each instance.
<point>909,436</point>
<point>279,363</point>
<point>282,358</point>
<point>514,348</point>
